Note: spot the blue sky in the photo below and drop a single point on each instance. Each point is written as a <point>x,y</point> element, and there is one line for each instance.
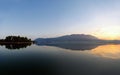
<point>51,18</point>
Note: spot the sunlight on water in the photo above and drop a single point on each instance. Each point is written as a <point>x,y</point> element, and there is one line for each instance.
<point>107,51</point>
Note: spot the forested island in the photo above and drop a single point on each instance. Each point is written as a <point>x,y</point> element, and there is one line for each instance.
<point>15,39</point>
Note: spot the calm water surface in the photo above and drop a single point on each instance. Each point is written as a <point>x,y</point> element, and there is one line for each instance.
<point>61,60</point>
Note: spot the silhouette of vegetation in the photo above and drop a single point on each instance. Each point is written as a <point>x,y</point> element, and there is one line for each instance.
<point>15,42</point>
<point>15,39</point>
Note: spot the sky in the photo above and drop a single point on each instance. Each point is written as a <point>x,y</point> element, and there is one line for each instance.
<point>52,18</point>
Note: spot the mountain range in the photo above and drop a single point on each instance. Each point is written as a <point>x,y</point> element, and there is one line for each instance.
<point>74,38</point>
<point>69,39</point>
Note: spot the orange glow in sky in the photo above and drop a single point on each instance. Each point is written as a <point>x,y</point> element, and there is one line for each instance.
<point>109,33</point>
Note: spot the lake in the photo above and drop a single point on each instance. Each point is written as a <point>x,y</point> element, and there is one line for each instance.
<point>60,60</point>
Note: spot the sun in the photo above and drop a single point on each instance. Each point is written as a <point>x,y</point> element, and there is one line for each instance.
<point>109,33</point>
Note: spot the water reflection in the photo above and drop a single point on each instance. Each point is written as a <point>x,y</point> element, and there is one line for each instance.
<point>75,46</point>
<point>46,60</point>
<point>18,46</point>
<point>107,51</point>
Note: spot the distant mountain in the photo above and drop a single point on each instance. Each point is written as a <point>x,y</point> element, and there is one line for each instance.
<point>78,37</point>
<point>74,38</point>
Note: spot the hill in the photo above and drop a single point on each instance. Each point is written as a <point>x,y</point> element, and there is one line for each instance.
<point>74,38</point>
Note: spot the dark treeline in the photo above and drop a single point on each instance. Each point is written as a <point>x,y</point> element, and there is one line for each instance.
<point>15,39</point>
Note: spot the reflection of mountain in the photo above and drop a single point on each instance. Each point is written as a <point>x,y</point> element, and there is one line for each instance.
<point>15,45</point>
<point>74,46</point>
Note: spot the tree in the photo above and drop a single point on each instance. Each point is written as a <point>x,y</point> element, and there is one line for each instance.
<point>17,39</point>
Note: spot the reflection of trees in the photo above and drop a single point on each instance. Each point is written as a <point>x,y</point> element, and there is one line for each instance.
<point>16,46</point>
